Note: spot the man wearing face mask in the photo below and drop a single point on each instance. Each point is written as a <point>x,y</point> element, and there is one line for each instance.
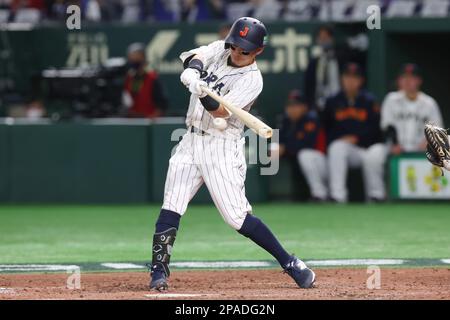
<point>143,95</point>
<point>322,75</point>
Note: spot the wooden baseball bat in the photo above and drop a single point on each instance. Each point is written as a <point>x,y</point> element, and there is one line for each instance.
<point>249,120</point>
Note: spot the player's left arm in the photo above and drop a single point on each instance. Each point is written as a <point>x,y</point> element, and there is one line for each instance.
<point>204,53</point>
<point>195,61</point>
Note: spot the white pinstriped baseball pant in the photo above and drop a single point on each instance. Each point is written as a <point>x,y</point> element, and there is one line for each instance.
<point>217,162</point>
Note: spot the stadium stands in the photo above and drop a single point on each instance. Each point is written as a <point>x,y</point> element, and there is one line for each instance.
<point>128,11</point>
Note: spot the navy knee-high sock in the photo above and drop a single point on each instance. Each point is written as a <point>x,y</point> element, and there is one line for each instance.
<point>257,231</point>
<point>167,219</point>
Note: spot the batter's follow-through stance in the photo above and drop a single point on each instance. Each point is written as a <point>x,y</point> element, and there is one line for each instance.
<point>214,154</point>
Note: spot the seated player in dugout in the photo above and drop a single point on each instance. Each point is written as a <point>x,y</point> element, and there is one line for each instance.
<point>404,113</point>
<point>352,124</point>
<point>143,95</point>
<point>215,157</point>
<point>303,141</point>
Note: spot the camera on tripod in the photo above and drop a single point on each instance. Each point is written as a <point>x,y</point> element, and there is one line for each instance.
<point>85,92</point>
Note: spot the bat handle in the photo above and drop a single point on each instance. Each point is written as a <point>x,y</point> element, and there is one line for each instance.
<point>210,93</point>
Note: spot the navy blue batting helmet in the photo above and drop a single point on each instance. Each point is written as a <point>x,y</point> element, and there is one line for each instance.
<point>247,33</point>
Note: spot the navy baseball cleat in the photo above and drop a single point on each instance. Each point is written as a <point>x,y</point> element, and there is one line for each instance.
<point>301,274</point>
<point>158,281</point>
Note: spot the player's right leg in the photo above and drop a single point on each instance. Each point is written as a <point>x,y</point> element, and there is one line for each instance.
<point>225,171</point>
<point>256,230</point>
<point>182,183</point>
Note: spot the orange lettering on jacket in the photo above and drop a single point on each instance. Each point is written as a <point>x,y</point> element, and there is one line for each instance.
<point>351,113</point>
<point>310,126</point>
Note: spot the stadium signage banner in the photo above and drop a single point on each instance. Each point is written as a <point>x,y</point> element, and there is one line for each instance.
<point>290,48</point>
<point>413,177</point>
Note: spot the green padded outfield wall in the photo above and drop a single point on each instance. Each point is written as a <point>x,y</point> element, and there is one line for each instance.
<point>422,41</point>
<point>4,163</point>
<point>94,163</point>
<point>78,163</point>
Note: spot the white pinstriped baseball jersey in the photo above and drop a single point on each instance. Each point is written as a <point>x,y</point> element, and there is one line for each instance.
<point>240,86</point>
<point>408,117</point>
<point>216,159</point>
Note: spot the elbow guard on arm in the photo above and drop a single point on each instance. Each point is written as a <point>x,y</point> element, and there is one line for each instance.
<point>196,64</point>
<point>192,72</point>
<point>209,103</point>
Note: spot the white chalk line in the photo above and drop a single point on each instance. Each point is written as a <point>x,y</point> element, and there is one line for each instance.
<point>121,266</point>
<point>38,267</point>
<point>180,295</point>
<point>354,262</point>
<point>222,264</point>
<point>206,265</point>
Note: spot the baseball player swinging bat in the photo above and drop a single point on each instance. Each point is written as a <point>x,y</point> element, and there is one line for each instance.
<point>224,81</point>
<point>248,119</point>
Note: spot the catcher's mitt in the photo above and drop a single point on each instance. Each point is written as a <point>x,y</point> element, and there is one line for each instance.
<point>438,148</point>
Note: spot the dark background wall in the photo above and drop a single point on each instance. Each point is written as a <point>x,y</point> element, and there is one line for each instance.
<point>117,163</point>
<point>283,61</point>
<point>422,41</point>
<point>93,163</point>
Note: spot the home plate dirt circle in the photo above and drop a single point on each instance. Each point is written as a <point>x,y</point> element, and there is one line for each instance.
<point>332,283</point>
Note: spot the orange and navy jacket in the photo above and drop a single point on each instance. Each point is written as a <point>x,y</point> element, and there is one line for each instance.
<point>360,118</point>
<point>303,134</point>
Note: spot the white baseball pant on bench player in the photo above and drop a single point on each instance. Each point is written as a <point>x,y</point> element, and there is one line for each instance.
<point>314,167</point>
<point>342,155</point>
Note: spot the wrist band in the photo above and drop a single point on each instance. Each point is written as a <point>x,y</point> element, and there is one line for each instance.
<point>209,103</point>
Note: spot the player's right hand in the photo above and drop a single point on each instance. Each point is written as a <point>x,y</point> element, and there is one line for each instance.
<point>189,75</point>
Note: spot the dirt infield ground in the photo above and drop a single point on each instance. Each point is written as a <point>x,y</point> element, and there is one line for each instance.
<point>411,283</point>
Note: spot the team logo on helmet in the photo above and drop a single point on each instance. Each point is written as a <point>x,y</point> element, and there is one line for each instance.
<point>244,32</point>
